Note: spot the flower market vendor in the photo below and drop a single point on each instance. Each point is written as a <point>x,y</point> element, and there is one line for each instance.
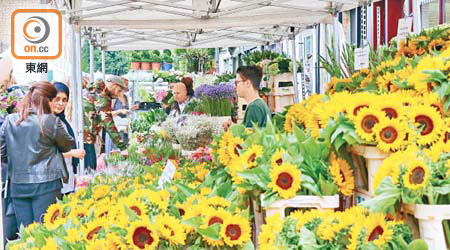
<point>247,84</point>
<point>183,93</point>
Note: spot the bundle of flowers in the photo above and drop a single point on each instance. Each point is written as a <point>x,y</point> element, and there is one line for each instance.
<point>354,228</point>
<point>9,99</point>
<point>281,165</point>
<point>216,100</point>
<point>412,176</point>
<point>126,211</point>
<point>191,132</point>
<point>391,121</point>
<point>393,69</point>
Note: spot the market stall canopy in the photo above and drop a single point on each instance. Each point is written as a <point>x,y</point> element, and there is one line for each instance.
<point>159,24</point>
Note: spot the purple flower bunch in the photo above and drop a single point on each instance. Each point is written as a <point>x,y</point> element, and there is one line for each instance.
<point>215,91</point>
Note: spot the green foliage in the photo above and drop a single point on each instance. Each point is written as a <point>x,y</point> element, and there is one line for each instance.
<point>120,60</point>
<point>167,52</point>
<point>225,78</point>
<point>167,58</point>
<point>147,119</point>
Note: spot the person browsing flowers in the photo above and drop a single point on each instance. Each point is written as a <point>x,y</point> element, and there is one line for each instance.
<point>72,157</point>
<point>247,84</point>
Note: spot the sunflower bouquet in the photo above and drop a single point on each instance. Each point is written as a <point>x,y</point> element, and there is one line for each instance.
<point>411,176</point>
<point>281,165</point>
<point>127,211</point>
<point>354,228</point>
<point>393,69</point>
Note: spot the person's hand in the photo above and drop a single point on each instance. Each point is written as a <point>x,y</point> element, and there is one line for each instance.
<point>78,153</point>
<point>124,153</point>
<point>226,125</point>
<point>135,107</point>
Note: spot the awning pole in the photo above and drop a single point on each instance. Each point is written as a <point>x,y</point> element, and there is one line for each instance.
<point>91,60</point>
<point>103,66</point>
<point>294,64</point>
<point>217,61</point>
<point>77,103</point>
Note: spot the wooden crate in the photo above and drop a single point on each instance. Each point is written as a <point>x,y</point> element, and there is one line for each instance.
<point>277,103</point>
<point>303,201</point>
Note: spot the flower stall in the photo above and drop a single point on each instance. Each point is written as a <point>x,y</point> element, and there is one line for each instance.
<point>187,184</point>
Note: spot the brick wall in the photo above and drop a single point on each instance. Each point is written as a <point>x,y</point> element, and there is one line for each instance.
<point>6,9</point>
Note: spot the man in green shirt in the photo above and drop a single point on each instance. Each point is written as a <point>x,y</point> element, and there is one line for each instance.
<point>247,87</point>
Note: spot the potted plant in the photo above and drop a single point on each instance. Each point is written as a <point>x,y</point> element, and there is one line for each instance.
<point>145,65</point>
<point>167,62</point>
<point>155,58</point>
<point>135,61</point>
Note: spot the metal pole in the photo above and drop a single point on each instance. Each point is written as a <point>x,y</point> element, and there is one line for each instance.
<point>217,61</point>
<point>336,35</point>
<point>103,66</point>
<point>294,65</point>
<point>77,103</point>
<point>417,17</point>
<point>91,60</point>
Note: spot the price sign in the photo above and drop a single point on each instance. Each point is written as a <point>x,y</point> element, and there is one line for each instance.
<point>168,173</point>
<point>362,58</point>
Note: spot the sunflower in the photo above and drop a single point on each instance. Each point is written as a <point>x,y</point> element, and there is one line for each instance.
<point>355,236</point>
<point>358,101</point>
<point>277,158</point>
<point>342,175</point>
<point>50,244</point>
<point>215,216</point>
<point>266,238</point>
<point>216,201</point>
<point>304,218</point>
<point>169,229</point>
<point>428,120</point>
<point>235,147</point>
<point>252,154</point>
<point>115,242</point>
<point>73,236</point>
<point>417,175</point>
<point>391,106</point>
<point>390,134</point>
<point>136,206</point>
<point>285,180</point>
<point>98,244</point>
<point>436,45</point>
<point>366,119</point>
<point>389,167</point>
<point>100,191</point>
<point>236,231</point>
<point>433,100</point>
<point>54,216</point>
<point>90,230</point>
<point>142,235</point>
<point>378,230</point>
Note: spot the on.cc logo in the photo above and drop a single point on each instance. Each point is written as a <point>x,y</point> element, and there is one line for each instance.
<point>40,28</point>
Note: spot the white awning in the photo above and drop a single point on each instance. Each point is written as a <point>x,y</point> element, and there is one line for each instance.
<point>159,24</point>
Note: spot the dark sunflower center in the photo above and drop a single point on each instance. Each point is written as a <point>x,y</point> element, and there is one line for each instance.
<point>233,231</point>
<point>389,135</point>
<point>103,214</point>
<point>236,152</point>
<point>172,233</point>
<point>426,123</point>
<point>136,210</point>
<point>279,162</point>
<point>215,220</point>
<point>141,237</point>
<point>181,211</point>
<point>342,174</point>
<point>357,108</point>
<point>417,175</point>
<point>284,180</point>
<point>446,137</point>
<point>376,233</point>
<point>252,158</point>
<point>81,215</point>
<point>368,122</point>
<point>93,232</point>
<point>54,216</point>
<point>390,112</point>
